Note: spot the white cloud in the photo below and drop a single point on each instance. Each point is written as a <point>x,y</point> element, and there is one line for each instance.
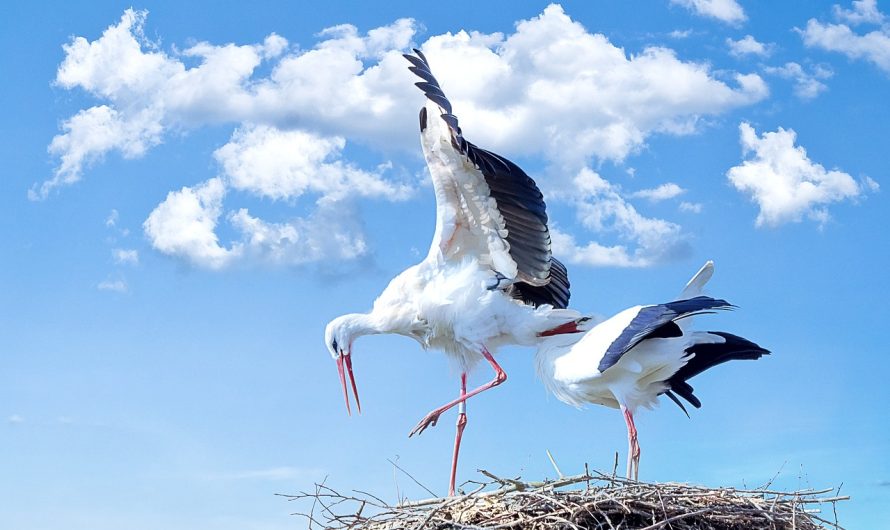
<point>274,473</point>
<point>691,207</point>
<point>117,286</point>
<point>785,183</point>
<point>15,418</point>
<point>329,234</point>
<point>93,132</point>
<point>680,33</point>
<point>863,12</point>
<point>550,81</point>
<point>807,85</point>
<point>663,192</point>
<point>112,219</point>
<point>551,88</point>
<point>748,45</point>
<point>728,11</point>
<point>184,225</point>
<point>125,256</point>
<point>602,209</point>
<point>277,164</point>
<point>873,46</point>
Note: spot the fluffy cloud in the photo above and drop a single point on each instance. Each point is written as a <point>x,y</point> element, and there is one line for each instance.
<point>90,134</point>
<point>748,45</point>
<point>661,193</point>
<point>150,92</point>
<point>728,11</point>
<point>550,81</point>
<point>551,88</point>
<point>269,162</point>
<point>603,210</point>
<point>807,85</point>
<point>785,183</point>
<point>873,46</point>
<point>185,226</point>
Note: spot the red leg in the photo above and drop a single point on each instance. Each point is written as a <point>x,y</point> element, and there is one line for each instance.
<point>433,417</point>
<point>461,423</point>
<point>633,445</point>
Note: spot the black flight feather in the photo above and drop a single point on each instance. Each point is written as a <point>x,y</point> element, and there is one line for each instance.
<point>709,355</point>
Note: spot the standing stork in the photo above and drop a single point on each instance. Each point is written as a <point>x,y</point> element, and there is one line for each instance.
<point>489,278</point>
<point>630,359</point>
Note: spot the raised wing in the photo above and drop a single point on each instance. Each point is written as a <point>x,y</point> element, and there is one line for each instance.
<point>657,321</point>
<point>486,204</point>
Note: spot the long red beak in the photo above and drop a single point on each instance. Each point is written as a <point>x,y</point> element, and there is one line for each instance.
<point>346,359</point>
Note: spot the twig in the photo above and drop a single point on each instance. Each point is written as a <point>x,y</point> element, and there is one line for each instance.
<point>411,477</point>
<point>552,461</point>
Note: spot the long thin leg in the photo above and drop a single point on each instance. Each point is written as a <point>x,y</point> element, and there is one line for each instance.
<point>433,417</point>
<point>461,423</point>
<point>633,445</point>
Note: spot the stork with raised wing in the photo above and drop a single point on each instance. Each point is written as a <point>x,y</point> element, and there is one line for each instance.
<point>628,360</point>
<point>489,278</point>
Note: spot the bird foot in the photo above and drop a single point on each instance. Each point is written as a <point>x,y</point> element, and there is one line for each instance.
<point>429,420</point>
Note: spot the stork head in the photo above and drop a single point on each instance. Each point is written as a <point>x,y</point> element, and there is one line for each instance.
<point>338,336</point>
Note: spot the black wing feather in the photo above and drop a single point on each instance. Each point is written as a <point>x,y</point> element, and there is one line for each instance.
<point>517,196</point>
<point>709,355</point>
<point>555,293</point>
<point>649,321</point>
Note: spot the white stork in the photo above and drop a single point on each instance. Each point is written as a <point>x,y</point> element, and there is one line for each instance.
<point>489,278</point>
<point>630,359</point>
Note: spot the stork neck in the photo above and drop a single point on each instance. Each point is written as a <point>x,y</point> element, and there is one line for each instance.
<point>360,324</point>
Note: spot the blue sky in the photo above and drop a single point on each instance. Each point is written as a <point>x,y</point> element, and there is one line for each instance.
<point>190,193</point>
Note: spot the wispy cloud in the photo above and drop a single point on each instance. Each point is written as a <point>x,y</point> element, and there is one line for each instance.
<point>111,220</point>
<point>807,84</point>
<point>680,33</point>
<point>125,256</point>
<point>663,192</point>
<point>602,209</point>
<point>873,46</point>
<point>273,473</point>
<point>15,419</point>
<point>691,207</point>
<point>728,11</point>
<point>117,286</point>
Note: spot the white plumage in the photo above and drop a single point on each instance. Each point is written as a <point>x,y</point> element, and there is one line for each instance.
<point>630,359</point>
<point>488,279</point>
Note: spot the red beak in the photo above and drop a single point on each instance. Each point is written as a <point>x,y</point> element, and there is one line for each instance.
<point>346,358</point>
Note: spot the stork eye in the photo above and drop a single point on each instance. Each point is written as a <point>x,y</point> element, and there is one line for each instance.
<point>334,345</point>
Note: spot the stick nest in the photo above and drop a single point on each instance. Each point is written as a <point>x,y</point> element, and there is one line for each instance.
<point>587,501</point>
